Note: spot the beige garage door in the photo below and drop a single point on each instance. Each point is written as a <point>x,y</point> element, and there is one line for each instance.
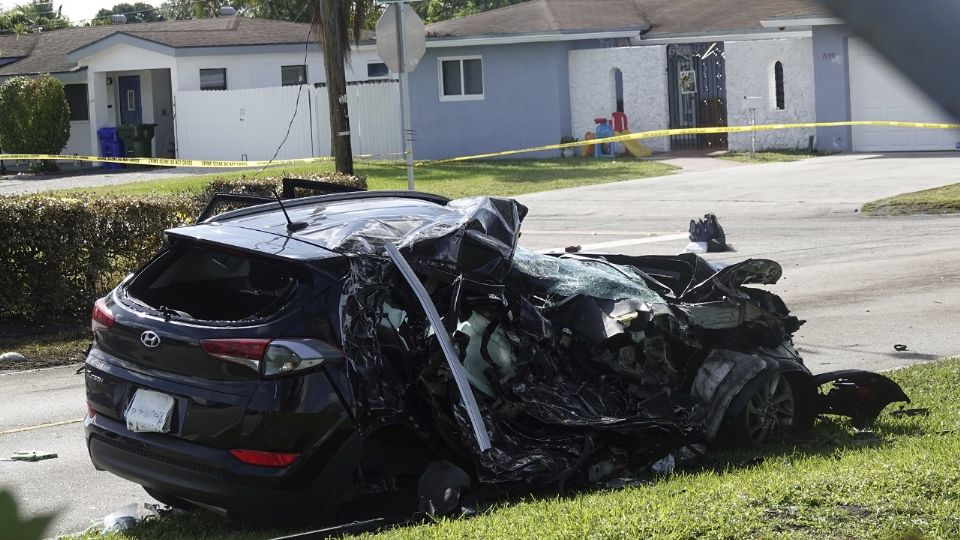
<point>879,92</point>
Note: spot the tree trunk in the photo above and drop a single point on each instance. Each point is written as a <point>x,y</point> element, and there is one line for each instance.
<point>333,55</point>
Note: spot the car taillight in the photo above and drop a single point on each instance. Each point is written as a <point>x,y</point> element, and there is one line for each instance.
<point>278,356</point>
<point>101,320</point>
<point>91,412</point>
<point>287,355</point>
<point>264,459</point>
<point>246,352</point>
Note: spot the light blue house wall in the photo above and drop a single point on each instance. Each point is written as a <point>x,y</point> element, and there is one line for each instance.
<point>832,86</point>
<point>526,102</point>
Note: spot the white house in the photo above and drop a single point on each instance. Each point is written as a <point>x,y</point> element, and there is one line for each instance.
<point>547,68</point>
<point>521,76</point>
<point>133,73</point>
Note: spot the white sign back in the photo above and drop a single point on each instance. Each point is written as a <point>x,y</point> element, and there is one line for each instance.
<point>414,37</point>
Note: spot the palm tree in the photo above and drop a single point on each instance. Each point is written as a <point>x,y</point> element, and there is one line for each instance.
<point>332,20</point>
<point>33,17</point>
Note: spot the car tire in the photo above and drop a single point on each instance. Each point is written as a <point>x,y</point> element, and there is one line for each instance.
<point>169,500</point>
<point>767,407</point>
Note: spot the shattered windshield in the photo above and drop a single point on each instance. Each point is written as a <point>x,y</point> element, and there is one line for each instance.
<point>564,276</point>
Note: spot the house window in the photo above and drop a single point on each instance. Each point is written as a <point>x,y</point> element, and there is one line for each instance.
<point>377,69</point>
<point>213,79</point>
<point>461,78</point>
<point>77,100</point>
<point>778,83</point>
<point>293,75</point>
<point>618,89</point>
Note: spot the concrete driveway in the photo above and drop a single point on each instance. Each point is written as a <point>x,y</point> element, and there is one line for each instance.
<point>864,284</point>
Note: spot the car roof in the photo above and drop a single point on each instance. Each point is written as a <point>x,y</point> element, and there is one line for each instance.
<point>334,223</point>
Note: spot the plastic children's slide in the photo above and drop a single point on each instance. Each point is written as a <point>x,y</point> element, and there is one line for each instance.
<point>634,147</point>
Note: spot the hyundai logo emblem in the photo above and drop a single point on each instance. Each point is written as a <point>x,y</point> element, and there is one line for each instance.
<point>150,339</point>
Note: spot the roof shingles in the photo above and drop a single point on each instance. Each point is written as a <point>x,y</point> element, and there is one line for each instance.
<point>657,16</point>
<point>47,52</point>
<point>545,16</point>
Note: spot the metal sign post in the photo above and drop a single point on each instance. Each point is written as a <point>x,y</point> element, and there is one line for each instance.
<point>753,122</point>
<point>404,99</point>
<point>401,54</point>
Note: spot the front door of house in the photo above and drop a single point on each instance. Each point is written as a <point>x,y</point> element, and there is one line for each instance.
<point>697,92</point>
<point>131,110</point>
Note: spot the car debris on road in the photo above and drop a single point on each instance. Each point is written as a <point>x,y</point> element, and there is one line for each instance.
<point>294,359</point>
<point>33,455</point>
<point>129,517</point>
<point>706,235</point>
<point>11,358</point>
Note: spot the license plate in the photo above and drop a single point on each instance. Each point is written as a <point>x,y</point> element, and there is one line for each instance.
<point>149,412</point>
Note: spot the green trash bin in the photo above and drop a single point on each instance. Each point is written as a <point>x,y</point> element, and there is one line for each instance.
<point>137,139</point>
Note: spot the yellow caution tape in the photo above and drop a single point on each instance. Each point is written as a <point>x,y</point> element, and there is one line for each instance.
<point>696,131</point>
<point>223,164</point>
<point>167,162</point>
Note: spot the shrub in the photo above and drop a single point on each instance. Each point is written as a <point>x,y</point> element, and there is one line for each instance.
<point>265,186</point>
<point>34,117</point>
<point>58,254</point>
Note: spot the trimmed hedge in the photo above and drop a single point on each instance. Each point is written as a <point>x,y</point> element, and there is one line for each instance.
<point>58,254</point>
<point>266,185</point>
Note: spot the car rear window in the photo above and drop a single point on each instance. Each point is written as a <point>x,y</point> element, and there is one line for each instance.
<point>205,284</point>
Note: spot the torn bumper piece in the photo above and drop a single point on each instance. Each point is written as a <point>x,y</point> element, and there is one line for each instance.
<point>530,370</point>
<point>860,395</point>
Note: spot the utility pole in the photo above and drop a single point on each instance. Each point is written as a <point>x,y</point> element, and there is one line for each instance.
<point>331,11</point>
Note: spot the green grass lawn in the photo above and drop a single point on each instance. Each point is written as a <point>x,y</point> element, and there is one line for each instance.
<point>900,481</point>
<point>492,177</point>
<point>768,157</point>
<point>941,200</point>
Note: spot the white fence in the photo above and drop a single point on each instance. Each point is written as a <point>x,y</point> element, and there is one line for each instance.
<point>250,124</point>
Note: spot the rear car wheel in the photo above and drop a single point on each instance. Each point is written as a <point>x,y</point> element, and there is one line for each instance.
<point>769,408</point>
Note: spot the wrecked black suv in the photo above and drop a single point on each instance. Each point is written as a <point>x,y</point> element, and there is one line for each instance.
<point>281,361</point>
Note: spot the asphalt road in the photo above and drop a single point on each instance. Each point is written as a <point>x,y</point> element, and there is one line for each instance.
<point>863,284</point>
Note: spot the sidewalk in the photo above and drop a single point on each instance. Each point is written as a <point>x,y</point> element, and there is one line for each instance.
<point>695,160</point>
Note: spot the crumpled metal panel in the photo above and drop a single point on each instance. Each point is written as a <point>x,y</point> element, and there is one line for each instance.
<point>614,361</point>
<point>475,235</point>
